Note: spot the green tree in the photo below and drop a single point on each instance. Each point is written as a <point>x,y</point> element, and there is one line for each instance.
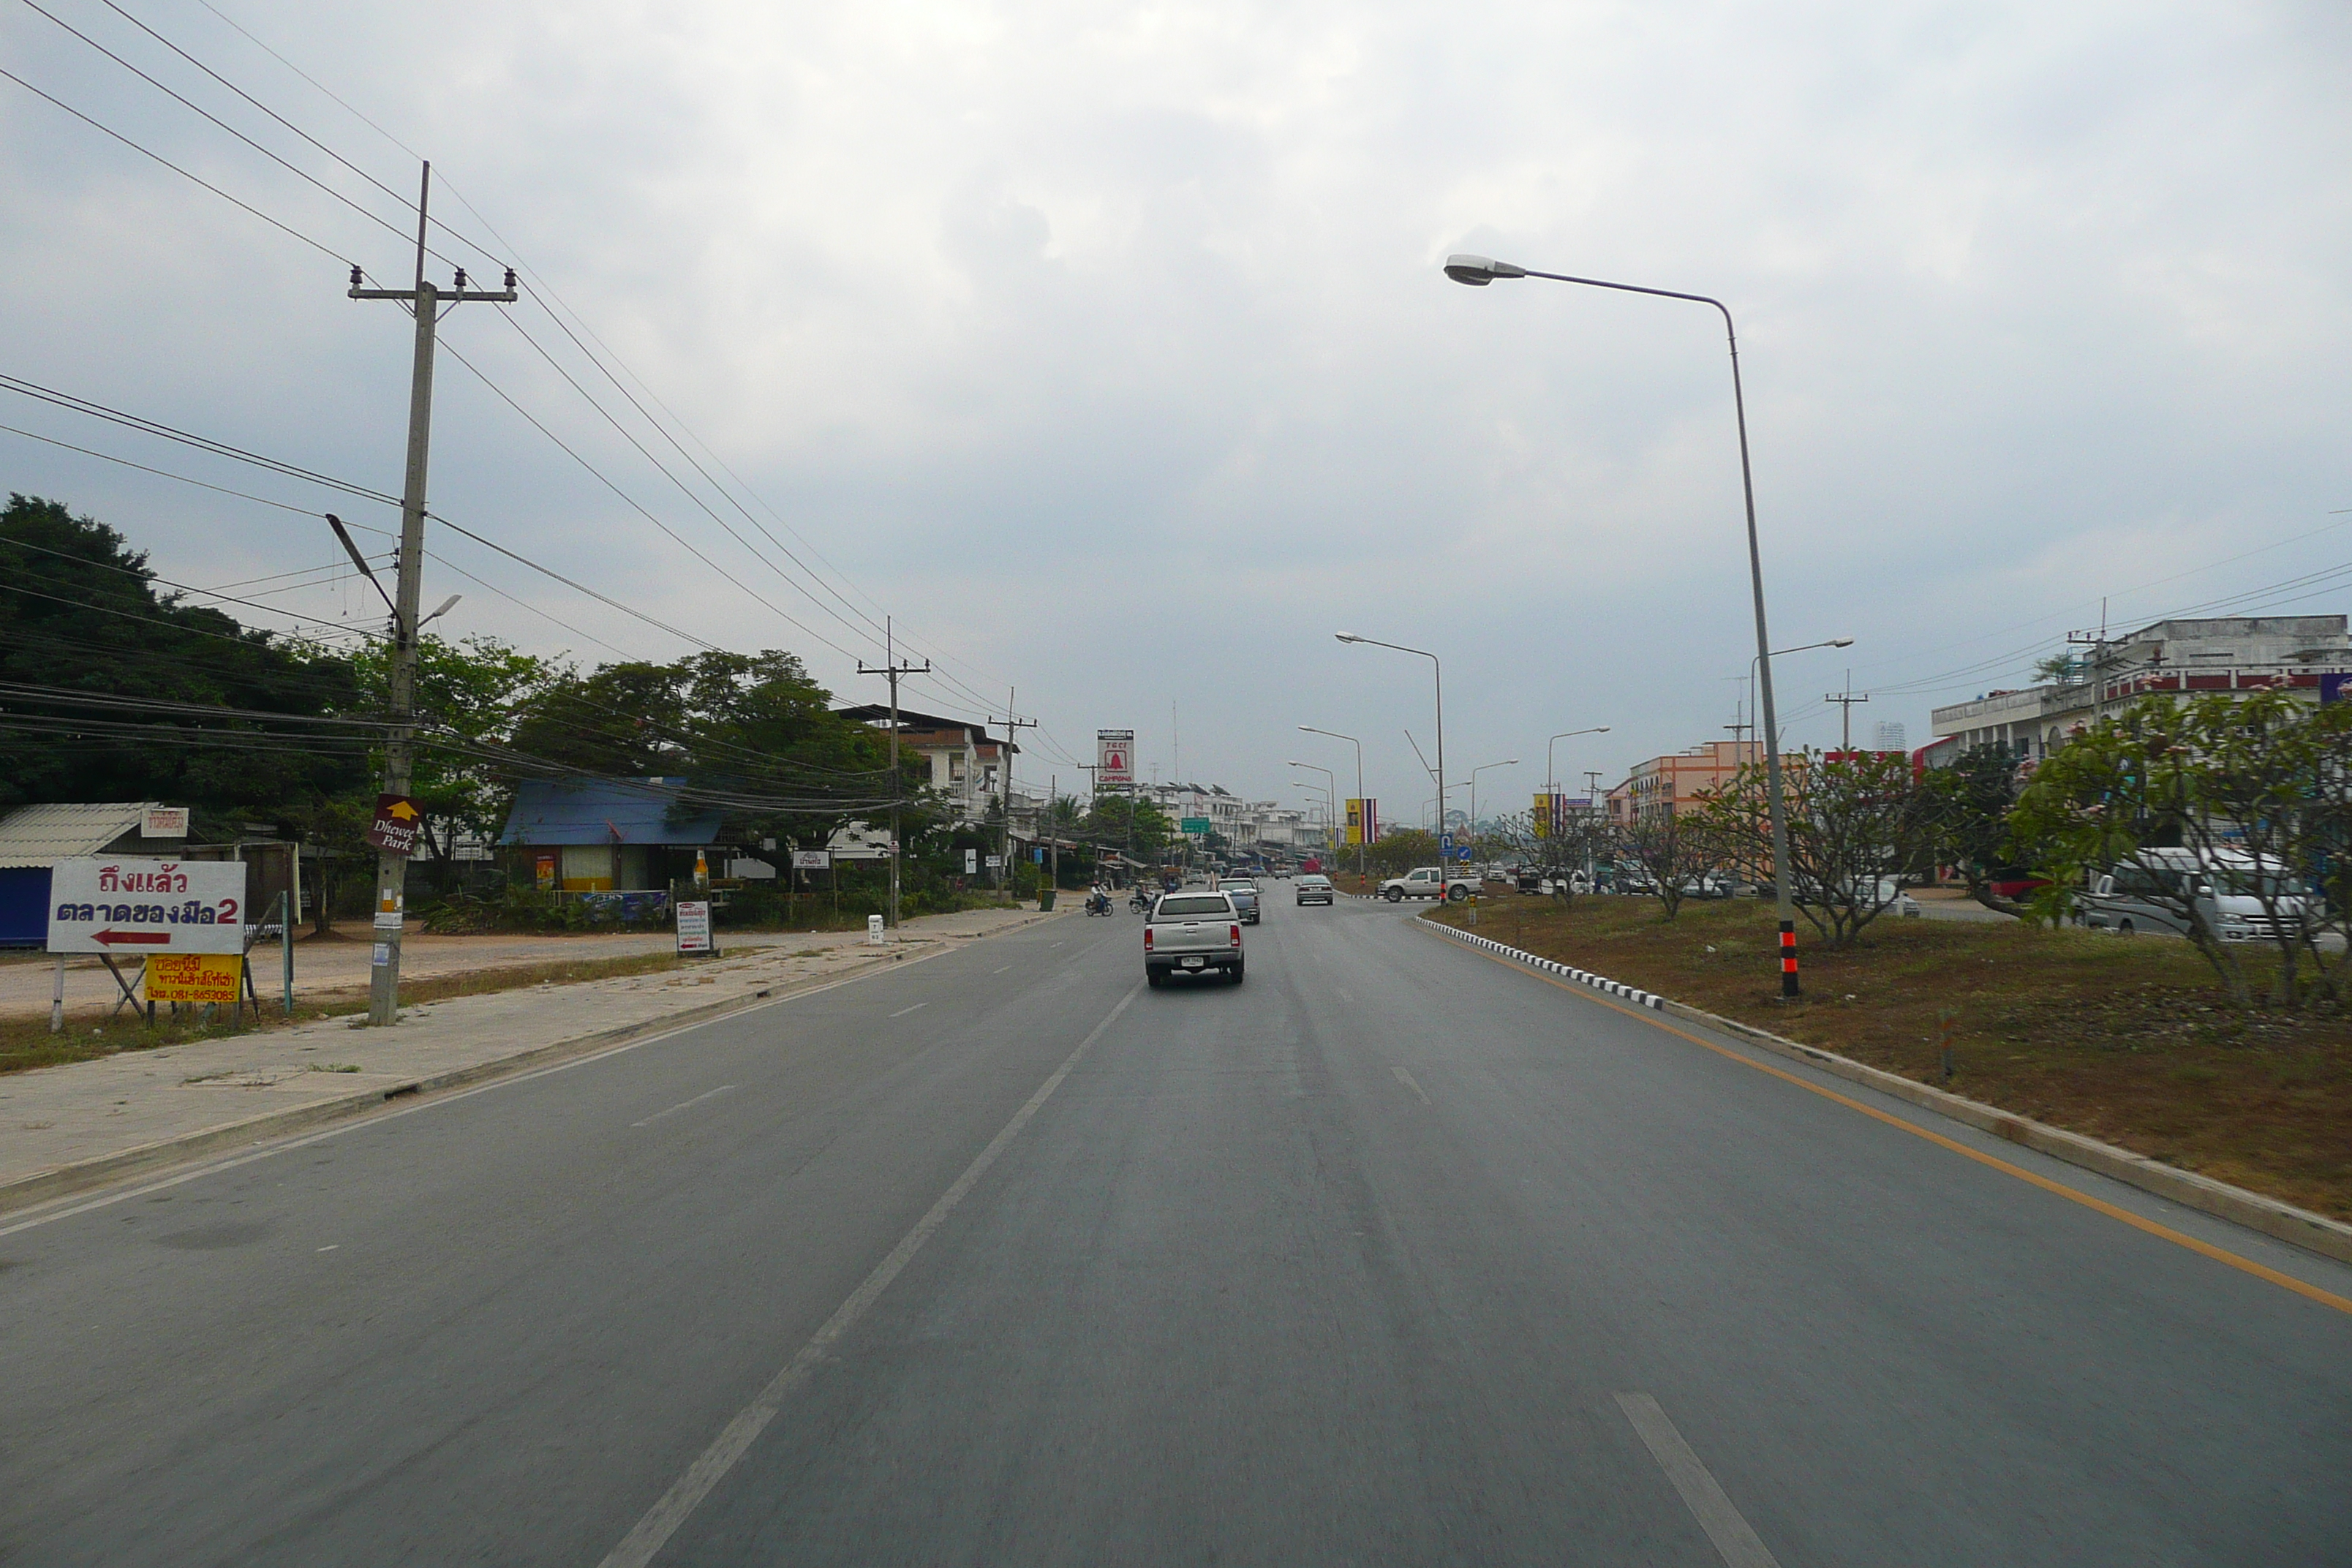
<point>2257,789</point>
<point>470,694</point>
<point>753,731</point>
<point>1854,821</point>
<point>1967,807</point>
<point>80,614</point>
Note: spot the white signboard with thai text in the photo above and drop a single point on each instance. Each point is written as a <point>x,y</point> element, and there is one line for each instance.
<point>164,822</point>
<point>810,860</point>
<point>693,925</point>
<point>113,904</point>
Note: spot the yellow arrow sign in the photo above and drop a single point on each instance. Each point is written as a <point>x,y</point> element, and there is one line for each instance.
<point>401,809</point>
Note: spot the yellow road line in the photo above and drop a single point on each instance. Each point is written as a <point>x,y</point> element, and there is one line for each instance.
<point>2163,1232</point>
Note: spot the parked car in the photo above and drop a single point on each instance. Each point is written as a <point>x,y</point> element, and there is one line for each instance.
<point>1193,934</point>
<point>1428,882</point>
<point>2226,890</point>
<point>1313,888</point>
<point>1888,893</point>
<point>1244,894</point>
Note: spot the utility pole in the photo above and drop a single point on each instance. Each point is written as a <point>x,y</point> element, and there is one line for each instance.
<point>894,670</point>
<point>424,301</point>
<point>1845,701</point>
<point>1013,726</point>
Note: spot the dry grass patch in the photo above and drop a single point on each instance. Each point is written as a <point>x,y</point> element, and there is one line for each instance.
<point>95,1032</point>
<point>2126,1039</point>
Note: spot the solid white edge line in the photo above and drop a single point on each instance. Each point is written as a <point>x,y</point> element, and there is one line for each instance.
<point>660,1522</point>
<point>437,1099</point>
<point>1739,1546</point>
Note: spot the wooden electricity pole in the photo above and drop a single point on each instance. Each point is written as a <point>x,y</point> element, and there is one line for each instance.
<point>426,303</point>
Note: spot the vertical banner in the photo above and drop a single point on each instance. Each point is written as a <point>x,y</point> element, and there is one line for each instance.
<point>1363,821</point>
<point>1543,814</point>
<point>1114,758</point>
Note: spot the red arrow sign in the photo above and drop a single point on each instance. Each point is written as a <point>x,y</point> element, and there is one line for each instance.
<point>137,938</point>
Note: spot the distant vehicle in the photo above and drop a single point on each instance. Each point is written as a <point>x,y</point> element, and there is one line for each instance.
<point>1885,893</point>
<point>2227,890</point>
<point>1313,888</point>
<point>1428,882</point>
<point>1243,892</point>
<point>1713,885</point>
<point>1528,879</point>
<point>1193,934</point>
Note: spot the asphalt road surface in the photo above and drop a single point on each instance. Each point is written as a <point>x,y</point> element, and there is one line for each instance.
<point>1392,1254</point>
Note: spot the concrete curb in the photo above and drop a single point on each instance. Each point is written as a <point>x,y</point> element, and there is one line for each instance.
<point>81,1176</point>
<point>2314,1232</point>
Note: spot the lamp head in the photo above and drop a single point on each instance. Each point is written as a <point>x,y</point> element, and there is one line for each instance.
<point>1346,636</point>
<point>1480,270</point>
<point>1841,642</point>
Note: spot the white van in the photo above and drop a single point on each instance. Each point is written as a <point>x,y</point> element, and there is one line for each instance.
<point>2225,889</point>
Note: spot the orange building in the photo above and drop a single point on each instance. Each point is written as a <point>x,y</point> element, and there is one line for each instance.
<point>1666,785</point>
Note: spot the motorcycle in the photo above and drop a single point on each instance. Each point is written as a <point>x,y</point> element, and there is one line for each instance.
<point>1139,901</point>
<point>1098,903</point>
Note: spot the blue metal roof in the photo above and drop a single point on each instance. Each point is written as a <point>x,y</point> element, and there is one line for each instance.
<point>593,811</point>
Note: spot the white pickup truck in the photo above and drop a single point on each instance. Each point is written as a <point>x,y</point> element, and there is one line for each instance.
<point>1193,934</point>
<point>1428,882</point>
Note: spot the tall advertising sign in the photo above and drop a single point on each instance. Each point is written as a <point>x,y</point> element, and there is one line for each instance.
<point>1542,815</point>
<point>1363,821</point>
<point>1114,759</point>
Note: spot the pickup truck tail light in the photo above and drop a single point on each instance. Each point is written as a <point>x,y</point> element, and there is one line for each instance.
<point>1237,935</point>
<point>1147,939</point>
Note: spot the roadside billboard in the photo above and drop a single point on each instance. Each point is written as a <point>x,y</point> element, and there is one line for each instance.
<point>1114,758</point>
<point>111,904</point>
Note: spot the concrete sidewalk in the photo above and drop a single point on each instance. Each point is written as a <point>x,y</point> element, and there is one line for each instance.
<point>66,1129</point>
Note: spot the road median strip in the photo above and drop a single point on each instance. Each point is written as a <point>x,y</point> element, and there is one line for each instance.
<point>2271,1216</point>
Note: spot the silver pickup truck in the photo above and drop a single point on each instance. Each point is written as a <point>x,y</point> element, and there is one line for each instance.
<point>1193,934</point>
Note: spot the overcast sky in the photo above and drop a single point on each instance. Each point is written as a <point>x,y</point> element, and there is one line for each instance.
<point>1107,348</point>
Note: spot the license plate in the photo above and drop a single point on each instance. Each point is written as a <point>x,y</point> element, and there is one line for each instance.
<point>1195,962</point>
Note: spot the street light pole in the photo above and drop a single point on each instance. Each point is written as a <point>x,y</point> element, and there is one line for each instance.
<point>1550,783</point>
<point>1438,674</point>
<point>1478,272</point>
<point>1779,652</point>
<point>1351,739</point>
<point>1482,767</point>
<point>1330,783</point>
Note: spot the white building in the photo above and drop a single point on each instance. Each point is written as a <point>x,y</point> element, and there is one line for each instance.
<point>2184,657</point>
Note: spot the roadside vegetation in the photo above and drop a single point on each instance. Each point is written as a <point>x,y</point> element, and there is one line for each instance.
<point>93,1032</point>
<point>2124,1039</point>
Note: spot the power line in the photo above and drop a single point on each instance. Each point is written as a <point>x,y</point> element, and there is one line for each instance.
<point>158,157</point>
<point>290,168</point>
<point>146,576</point>
<point>671,534</point>
<point>202,443</point>
<point>945,679</point>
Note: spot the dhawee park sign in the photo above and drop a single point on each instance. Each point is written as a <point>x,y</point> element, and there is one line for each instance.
<point>107,904</point>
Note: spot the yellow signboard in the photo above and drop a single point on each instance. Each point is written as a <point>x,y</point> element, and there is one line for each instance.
<point>1540,818</point>
<point>195,976</point>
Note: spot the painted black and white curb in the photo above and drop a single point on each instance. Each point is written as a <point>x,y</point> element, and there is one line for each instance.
<point>1633,994</point>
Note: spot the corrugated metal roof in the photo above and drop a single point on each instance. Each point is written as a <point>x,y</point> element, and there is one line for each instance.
<point>595,812</point>
<point>45,834</point>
